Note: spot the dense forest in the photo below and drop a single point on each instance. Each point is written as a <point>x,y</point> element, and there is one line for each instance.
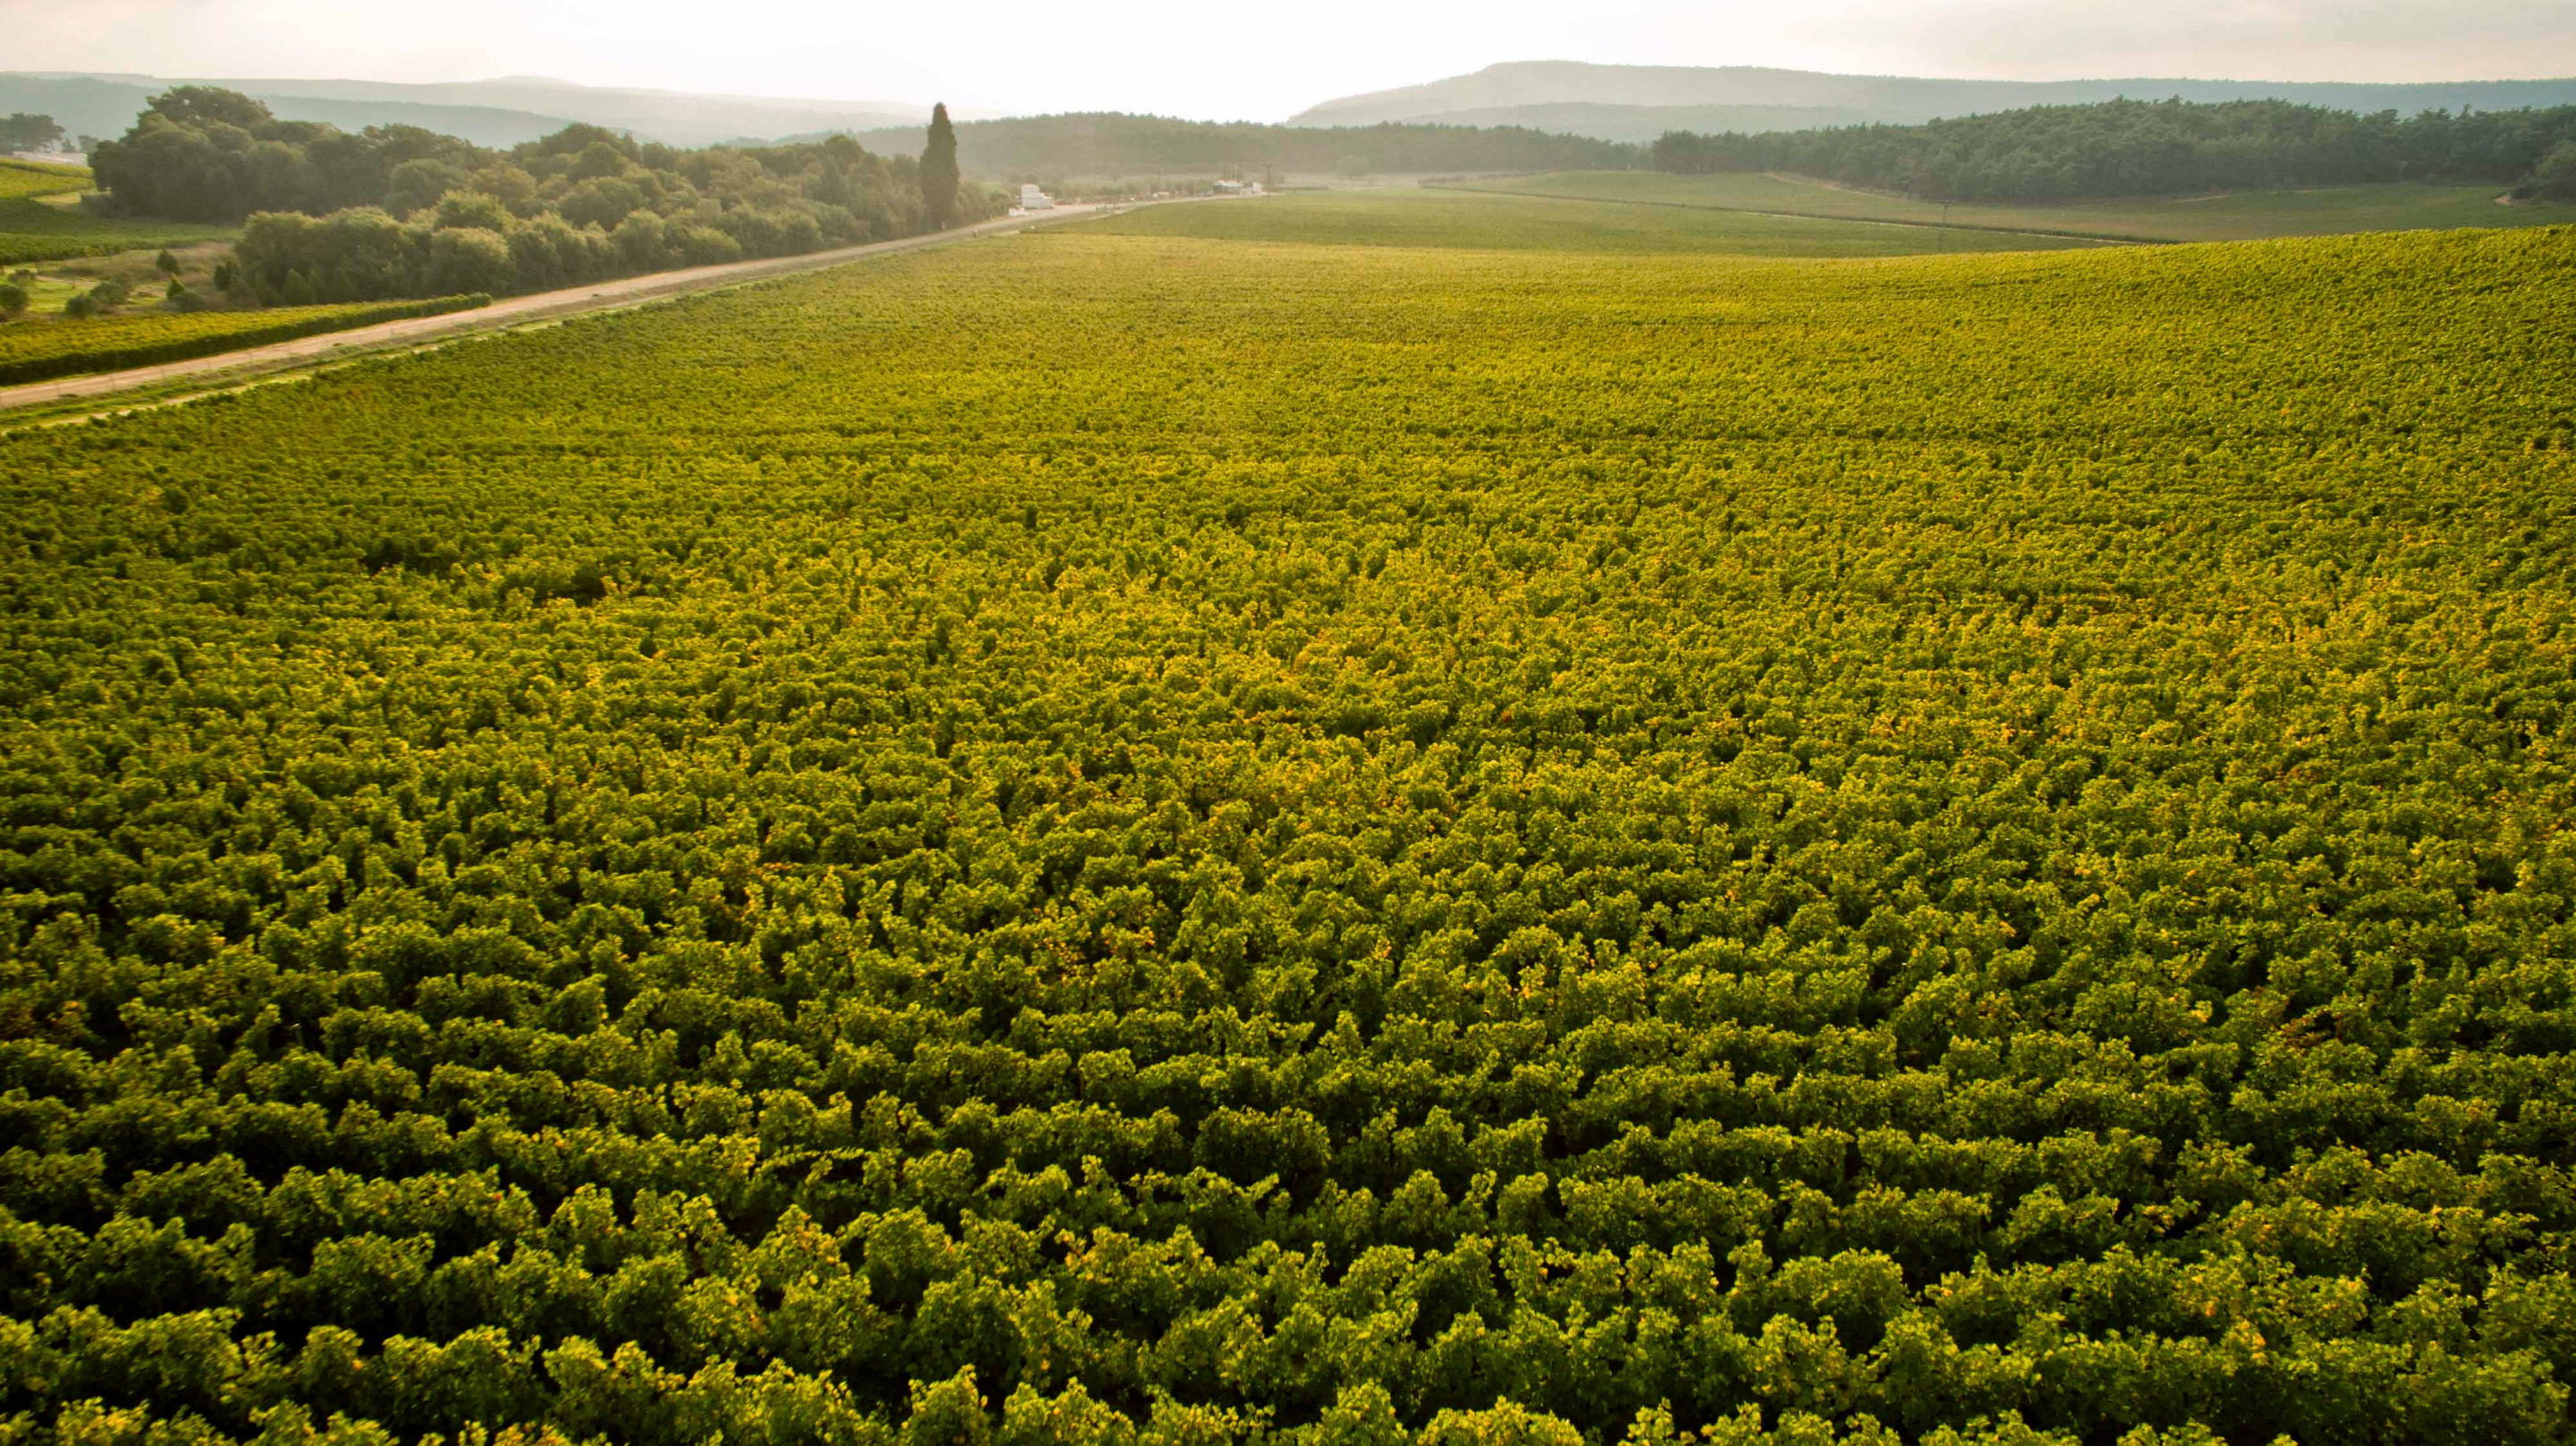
<point>1362,846</point>
<point>2137,148</point>
<point>1113,145</point>
<point>399,211</point>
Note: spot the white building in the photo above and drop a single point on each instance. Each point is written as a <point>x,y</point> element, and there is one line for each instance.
<point>1033,199</point>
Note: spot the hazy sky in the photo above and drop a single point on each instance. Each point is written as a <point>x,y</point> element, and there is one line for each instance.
<point>1224,59</point>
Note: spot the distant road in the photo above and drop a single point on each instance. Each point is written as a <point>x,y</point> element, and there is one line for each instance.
<point>248,363</point>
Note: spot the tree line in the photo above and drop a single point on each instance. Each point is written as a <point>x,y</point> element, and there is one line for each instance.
<point>2134,148</point>
<point>1113,144</point>
<point>396,211</point>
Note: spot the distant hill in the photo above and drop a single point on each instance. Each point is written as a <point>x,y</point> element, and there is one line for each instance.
<point>673,117</point>
<point>1638,102</point>
<point>486,112</point>
<point>1109,145</point>
<point>107,106</point>
<point>1641,124</point>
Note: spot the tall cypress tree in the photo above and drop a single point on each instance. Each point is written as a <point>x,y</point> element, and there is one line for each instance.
<point>939,169</point>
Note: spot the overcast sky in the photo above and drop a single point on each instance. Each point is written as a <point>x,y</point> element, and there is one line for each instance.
<point>1225,59</point>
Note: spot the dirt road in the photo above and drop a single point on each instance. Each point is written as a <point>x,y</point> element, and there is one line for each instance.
<point>237,366</point>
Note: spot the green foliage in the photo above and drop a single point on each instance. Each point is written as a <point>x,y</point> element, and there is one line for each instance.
<point>362,217</point>
<point>38,353</point>
<point>1506,1424</point>
<point>1382,842</point>
<point>473,240</point>
<point>1362,1414</point>
<point>939,169</point>
<point>207,106</point>
<point>2554,177</point>
<point>25,132</point>
<point>100,300</point>
<point>950,1413</point>
<point>473,210</point>
<point>13,300</point>
<point>2139,148</point>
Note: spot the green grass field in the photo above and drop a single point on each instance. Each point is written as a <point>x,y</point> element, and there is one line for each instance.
<point>2237,217</point>
<point>1441,218</point>
<point>33,230</point>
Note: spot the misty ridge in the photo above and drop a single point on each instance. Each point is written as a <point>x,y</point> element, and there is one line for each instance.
<point>494,113</point>
<point>1629,104</point>
<point>1641,102</point>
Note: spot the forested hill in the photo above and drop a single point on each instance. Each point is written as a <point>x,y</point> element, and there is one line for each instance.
<point>2135,148</point>
<point>1116,144</point>
<point>1609,100</point>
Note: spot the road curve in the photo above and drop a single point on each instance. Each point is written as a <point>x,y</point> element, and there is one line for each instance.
<point>510,311</point>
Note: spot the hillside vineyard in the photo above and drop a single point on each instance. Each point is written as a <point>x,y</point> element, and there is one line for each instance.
<point>34,353</point>
<point>1102,838</point>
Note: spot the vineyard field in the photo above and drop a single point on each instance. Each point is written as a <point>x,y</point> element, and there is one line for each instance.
<point>2241,216</point>
<point>1448,218</point>
<point>1116,838</point>
<point>35,352</point>
<point>32,230</point>
<point>27,178</point>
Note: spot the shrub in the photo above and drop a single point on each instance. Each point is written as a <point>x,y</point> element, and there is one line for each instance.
<point>2554,179</point>
<point>470,259</point>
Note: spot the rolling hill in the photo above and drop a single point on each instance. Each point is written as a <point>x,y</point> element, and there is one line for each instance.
<point>486,112</point>
<point>1639,102</point>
